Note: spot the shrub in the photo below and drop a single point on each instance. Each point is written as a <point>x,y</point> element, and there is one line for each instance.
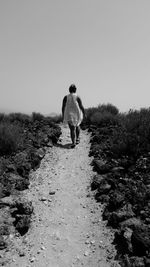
<point>108,108</point>
<point>95,114</point>
<point>55,119</point>
<point>103,119</point>
<point>37,116</point>
<point>2,115</point>
<point>18,117</point>
<point>10,138</point>
<point>133,136</point>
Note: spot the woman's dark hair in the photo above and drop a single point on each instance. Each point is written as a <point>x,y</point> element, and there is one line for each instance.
<point>72,88</point>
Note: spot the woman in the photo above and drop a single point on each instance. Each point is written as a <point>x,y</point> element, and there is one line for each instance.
<point>72,113</point>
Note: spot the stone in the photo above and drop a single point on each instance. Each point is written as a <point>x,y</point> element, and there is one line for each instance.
<point>52,193</point>
<point>3,243</point>
<point>32,259</point>
<point>118,169</point>
<point>116,200</point>
<point>86,253</point>
<point>104,187</point>
<point>131,223</point>
<point>101,166</point>
<point>141,240</point>
<point>24,207</point>
<point>7,201</point>
<point>21,253</point>
<point>137,261</point>
<point>96,181</point>
<point>120,215</point>
<point>22,223</point>
<point>123,241</point>
<point>43,199</point>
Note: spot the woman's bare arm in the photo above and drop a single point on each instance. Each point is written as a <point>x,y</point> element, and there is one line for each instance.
<point>63,105</point>
<point>81,105</point>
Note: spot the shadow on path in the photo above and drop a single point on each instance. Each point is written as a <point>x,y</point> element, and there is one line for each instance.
<point>65,146</point>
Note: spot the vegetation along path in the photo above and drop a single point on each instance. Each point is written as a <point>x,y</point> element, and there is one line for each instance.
<point>67,228</point>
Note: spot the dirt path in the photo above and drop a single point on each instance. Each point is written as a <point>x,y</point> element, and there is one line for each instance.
<point>67,228</point>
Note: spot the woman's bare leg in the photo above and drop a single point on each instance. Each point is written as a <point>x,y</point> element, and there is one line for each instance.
<point>77,133</point>
<point>72,133</point>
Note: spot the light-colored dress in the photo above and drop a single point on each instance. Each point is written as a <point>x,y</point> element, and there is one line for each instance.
<point>73,114</point>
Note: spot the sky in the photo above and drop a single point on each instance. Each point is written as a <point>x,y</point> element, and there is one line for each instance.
<point>102,46</point>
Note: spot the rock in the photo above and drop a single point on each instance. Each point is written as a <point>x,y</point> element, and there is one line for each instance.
<point>4,229</point>
<point>21,253</point>
<point>11,168</point>
<point>120,215</point>
<point>137,262</point>
<point>118,170</point>
<point>22,184</point>
<point>43,198</point>
<point>40,153</point>
<point>147,262</point>
<point>123,241</point>
<point>131,223</point>
<point>117,199</point>
<point>96,181</point>
<point>22,223</point>
<point>7,201</point>
<point>32,259</point>
<point>3,243</point>
<point>102,198</point>
<point>52,193</point>
<point>22,163</point>
<point>24,207</point>
<point>101,166</point>
<point>115,264</point>
<point>104,187</point>
<point>50,143</point>
<point>5,188</point>
<point>141,240</point>
<point>86,253</point>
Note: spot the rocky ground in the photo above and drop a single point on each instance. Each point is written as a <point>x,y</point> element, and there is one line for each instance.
<point>15,168</point>
<point>66,226</point>
<point>123,184</point>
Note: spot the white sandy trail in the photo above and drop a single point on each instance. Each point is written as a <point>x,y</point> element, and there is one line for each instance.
<point>67,228</point>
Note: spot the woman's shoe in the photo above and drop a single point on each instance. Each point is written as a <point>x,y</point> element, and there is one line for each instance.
<point>77,141</point>
<point>73,145</point>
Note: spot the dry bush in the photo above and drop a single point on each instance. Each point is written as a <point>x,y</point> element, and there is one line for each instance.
<point>2,116</point>
<point>103,113</point>
<point>132,137</point>
<point>36,116</point>
<point>105,118</point>
<point>108,108</point>
<point>10,138</point>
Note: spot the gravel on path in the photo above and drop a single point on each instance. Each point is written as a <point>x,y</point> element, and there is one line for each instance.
<point>67,228</point>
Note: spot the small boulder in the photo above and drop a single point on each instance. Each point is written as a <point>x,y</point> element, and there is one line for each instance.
<point>24,207</point>
<point>96,181</point>
<point>3,243</point>
<point>141,240</point>
<point>104,187</point>
<point>101,166</point>
<point>131,223</point>
<point>120,215</point>
<point>22,223</point>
